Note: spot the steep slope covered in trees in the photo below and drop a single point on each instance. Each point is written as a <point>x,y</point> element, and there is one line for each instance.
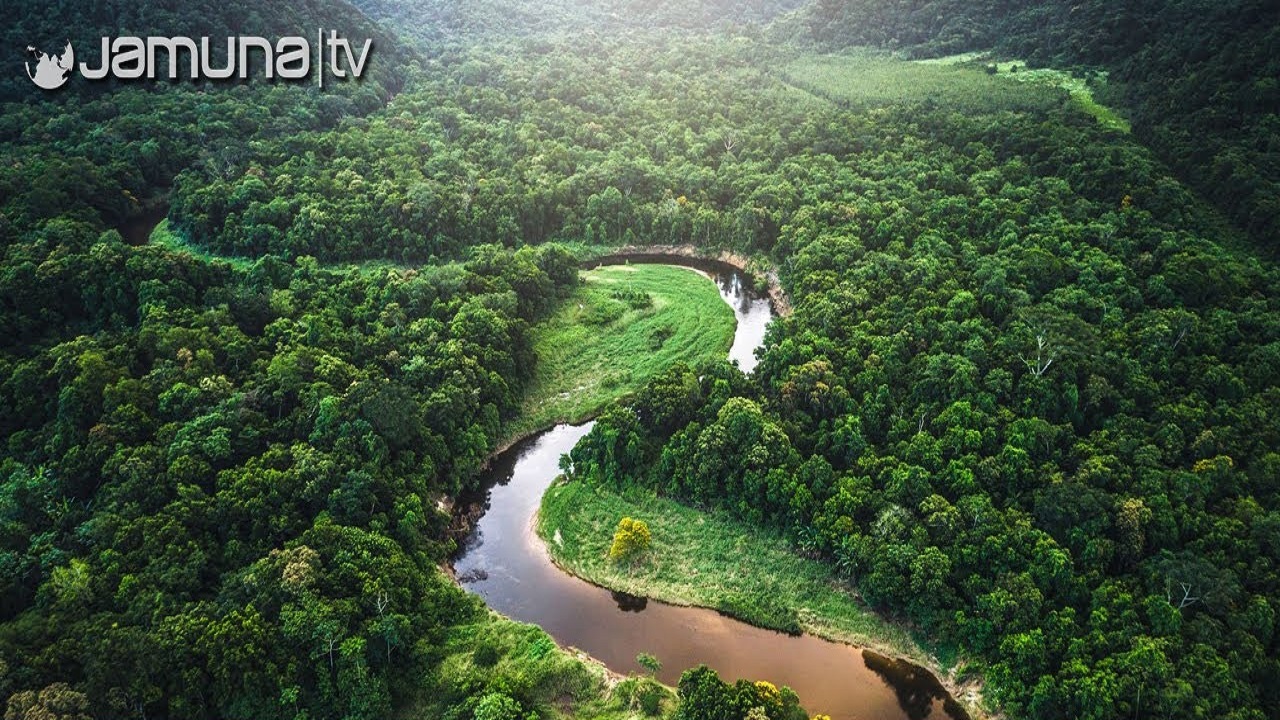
<point>437,23</point>
<point>1200,79</point>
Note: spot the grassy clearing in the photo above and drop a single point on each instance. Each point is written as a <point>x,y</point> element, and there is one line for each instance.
<point>1078,88</point>
<point>521,660</point>
<point>165,237</point>
<point>625,324</point>
<point>713,560</point>
<point>1017,70</point>
<point>867,80</point>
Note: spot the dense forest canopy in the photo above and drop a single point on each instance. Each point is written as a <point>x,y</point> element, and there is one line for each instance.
<point>1200,79</point>
<point>1028,401</point>
<point>452,23</point>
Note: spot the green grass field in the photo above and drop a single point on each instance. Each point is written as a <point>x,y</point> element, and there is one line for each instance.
<point>866,80</point>
<point>625,324</point>
<point>166,237</point>
<point>712,560</point>
<point>1016,70</point>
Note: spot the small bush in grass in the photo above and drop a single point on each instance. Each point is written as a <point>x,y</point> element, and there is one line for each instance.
<point>642,693</point>
<point>650,696</point>
<point>541,647</point>
<point>660,336</point>
<point>630,539</point>
<point>497,706</point>
<point>649,662</point>
<point>637,299</point>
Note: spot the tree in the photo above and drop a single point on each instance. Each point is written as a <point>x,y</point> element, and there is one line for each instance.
<point>704,696</point>
<point>55,702</point>
<point>631,539</point>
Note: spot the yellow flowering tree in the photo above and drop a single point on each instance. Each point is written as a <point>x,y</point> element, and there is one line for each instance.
<point>630,539</point>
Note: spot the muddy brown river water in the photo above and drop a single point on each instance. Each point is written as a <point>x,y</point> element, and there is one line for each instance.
<point>506,563</point>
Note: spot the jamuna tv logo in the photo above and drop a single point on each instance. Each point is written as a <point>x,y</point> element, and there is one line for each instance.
<point>51,71</point>
<point>132,58</point>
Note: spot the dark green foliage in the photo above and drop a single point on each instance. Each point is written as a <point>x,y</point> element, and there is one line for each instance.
<point>660,336</point>
<point>219,483</point>
<point>637,299</point>
<point>448,23</point>
<point>1033,418</point>
<point>269,493</point>
<point>486,655</point>
<point>704,696</point>
<point>1027,399</point>
<point>529,155</point>
<point>1199,79</point>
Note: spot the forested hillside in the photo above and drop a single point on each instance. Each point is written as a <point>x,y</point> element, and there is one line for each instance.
<point>439,24</point>
<point>1012,406</point>
<point>1200,79</point>
<point>634,141</point>
<point>220,480</point>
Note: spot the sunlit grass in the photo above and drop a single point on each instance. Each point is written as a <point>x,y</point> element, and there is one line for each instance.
<point>598,347</point>
<point>866,80</point>
<point>164,236</point>
<point>1017,70</point>
<point>713,560</point>
<point>1077,87</point>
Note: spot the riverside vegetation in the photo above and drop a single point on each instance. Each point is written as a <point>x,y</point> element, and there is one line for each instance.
<point>1026,401</point>
<point>621,327</point>
<point>710,559</point>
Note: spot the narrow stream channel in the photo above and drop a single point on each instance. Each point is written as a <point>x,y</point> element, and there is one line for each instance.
<point>505,562</point>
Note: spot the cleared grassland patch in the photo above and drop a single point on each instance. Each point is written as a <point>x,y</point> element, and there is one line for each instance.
<point>1016,70</point>
<point>867,80</point>
<point>625,324</point>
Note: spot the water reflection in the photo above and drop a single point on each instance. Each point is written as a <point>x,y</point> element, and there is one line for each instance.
<point>753,312</point>
<point>919,693</point>
<point>630,603</point>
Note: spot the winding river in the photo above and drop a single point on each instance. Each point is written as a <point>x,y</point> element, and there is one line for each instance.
<point>505,562</point>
